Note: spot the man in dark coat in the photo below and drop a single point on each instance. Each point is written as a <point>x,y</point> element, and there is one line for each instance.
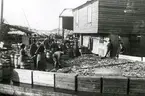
<point>33,48</point>
<point>54,46</point>
<point>109,49</point>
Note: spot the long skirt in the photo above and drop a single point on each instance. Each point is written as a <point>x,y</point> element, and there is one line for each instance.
<point>41,61</point>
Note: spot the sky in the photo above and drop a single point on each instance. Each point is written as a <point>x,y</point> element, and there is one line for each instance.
<point>37,14</point>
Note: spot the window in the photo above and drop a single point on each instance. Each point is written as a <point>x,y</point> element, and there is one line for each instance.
<point>77,18</point>
<point>89,14</point>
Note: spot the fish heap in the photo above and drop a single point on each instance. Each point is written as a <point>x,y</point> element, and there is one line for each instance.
<point>87,64</point>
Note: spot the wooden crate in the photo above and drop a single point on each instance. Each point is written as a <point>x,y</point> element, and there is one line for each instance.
<point>43,78</point>
<point>65,81</point>
<point>115,85</point>
<point>89,83</point>
<point>137,86</point>
<point>22,76</point>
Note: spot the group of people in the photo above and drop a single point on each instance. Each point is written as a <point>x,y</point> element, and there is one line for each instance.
<point>47,51</point>
<point>51,51</point>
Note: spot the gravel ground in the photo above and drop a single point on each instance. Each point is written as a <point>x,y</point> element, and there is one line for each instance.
<point>89,64</point>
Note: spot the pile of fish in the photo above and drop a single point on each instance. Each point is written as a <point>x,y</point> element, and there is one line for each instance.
<point>87,64</point>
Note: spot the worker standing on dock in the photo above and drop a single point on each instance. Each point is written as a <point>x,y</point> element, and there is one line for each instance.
<point>23,56</point>
<point>109,49</point>
<point>120,48</point>
<point>41,58</point>
<point>76,48</point>
<point>33,48</point>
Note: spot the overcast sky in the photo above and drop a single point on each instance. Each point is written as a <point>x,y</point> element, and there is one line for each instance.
<point>41,14</point>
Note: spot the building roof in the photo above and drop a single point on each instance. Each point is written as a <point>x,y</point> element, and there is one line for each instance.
<point>17,32</point>
<point>66,13</point>
<point>85,4</point>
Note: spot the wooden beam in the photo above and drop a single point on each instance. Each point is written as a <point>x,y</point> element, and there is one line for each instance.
<point>115,85</point>
<point>26,91</point>
<point>65,81</point>
<point>137,86</point>
<point>89,84</point>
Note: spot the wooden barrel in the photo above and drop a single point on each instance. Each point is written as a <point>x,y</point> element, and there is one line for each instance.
<point>1,72</point>
<point>28,64</point>
<point>6,67</point>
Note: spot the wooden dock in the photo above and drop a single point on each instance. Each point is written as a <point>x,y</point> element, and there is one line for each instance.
<point>73,84</point>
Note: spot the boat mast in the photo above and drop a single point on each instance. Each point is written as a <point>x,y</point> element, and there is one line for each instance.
<point>2,4</point>
<point>1,18</point>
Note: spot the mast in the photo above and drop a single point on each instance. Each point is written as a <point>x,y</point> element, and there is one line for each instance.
<point>1,19</point>
<point>2,4</point>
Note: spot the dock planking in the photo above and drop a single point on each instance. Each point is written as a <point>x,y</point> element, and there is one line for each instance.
<point>65,81</point>
<point>89,83</point>
<point>115,84</point>
<point>137,86</point>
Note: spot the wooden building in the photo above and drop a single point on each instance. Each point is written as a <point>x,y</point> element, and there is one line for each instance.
<point>104,19</point>
<point>66,21</point>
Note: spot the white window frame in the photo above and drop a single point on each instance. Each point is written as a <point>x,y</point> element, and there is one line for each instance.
<point>77,17</point>
<point>89,14</point>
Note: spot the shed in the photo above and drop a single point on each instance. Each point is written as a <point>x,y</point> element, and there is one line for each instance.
<point>66,20</point>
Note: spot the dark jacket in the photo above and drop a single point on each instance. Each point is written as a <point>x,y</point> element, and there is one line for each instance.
<point>33,49</point>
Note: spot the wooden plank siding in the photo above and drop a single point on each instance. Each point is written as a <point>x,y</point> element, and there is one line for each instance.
<point>109,16</point>
<point>65,81</point>
<point>89,84</point>
<point>120,17</point>
<point>83,25</point>
<point>113,19</point>
<point>115,85</point>
<point>137,86</point>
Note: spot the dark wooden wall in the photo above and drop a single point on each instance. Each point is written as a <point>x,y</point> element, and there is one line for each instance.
<point>114,19</point>
<point>67,23</point>
<point>120,17</point>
